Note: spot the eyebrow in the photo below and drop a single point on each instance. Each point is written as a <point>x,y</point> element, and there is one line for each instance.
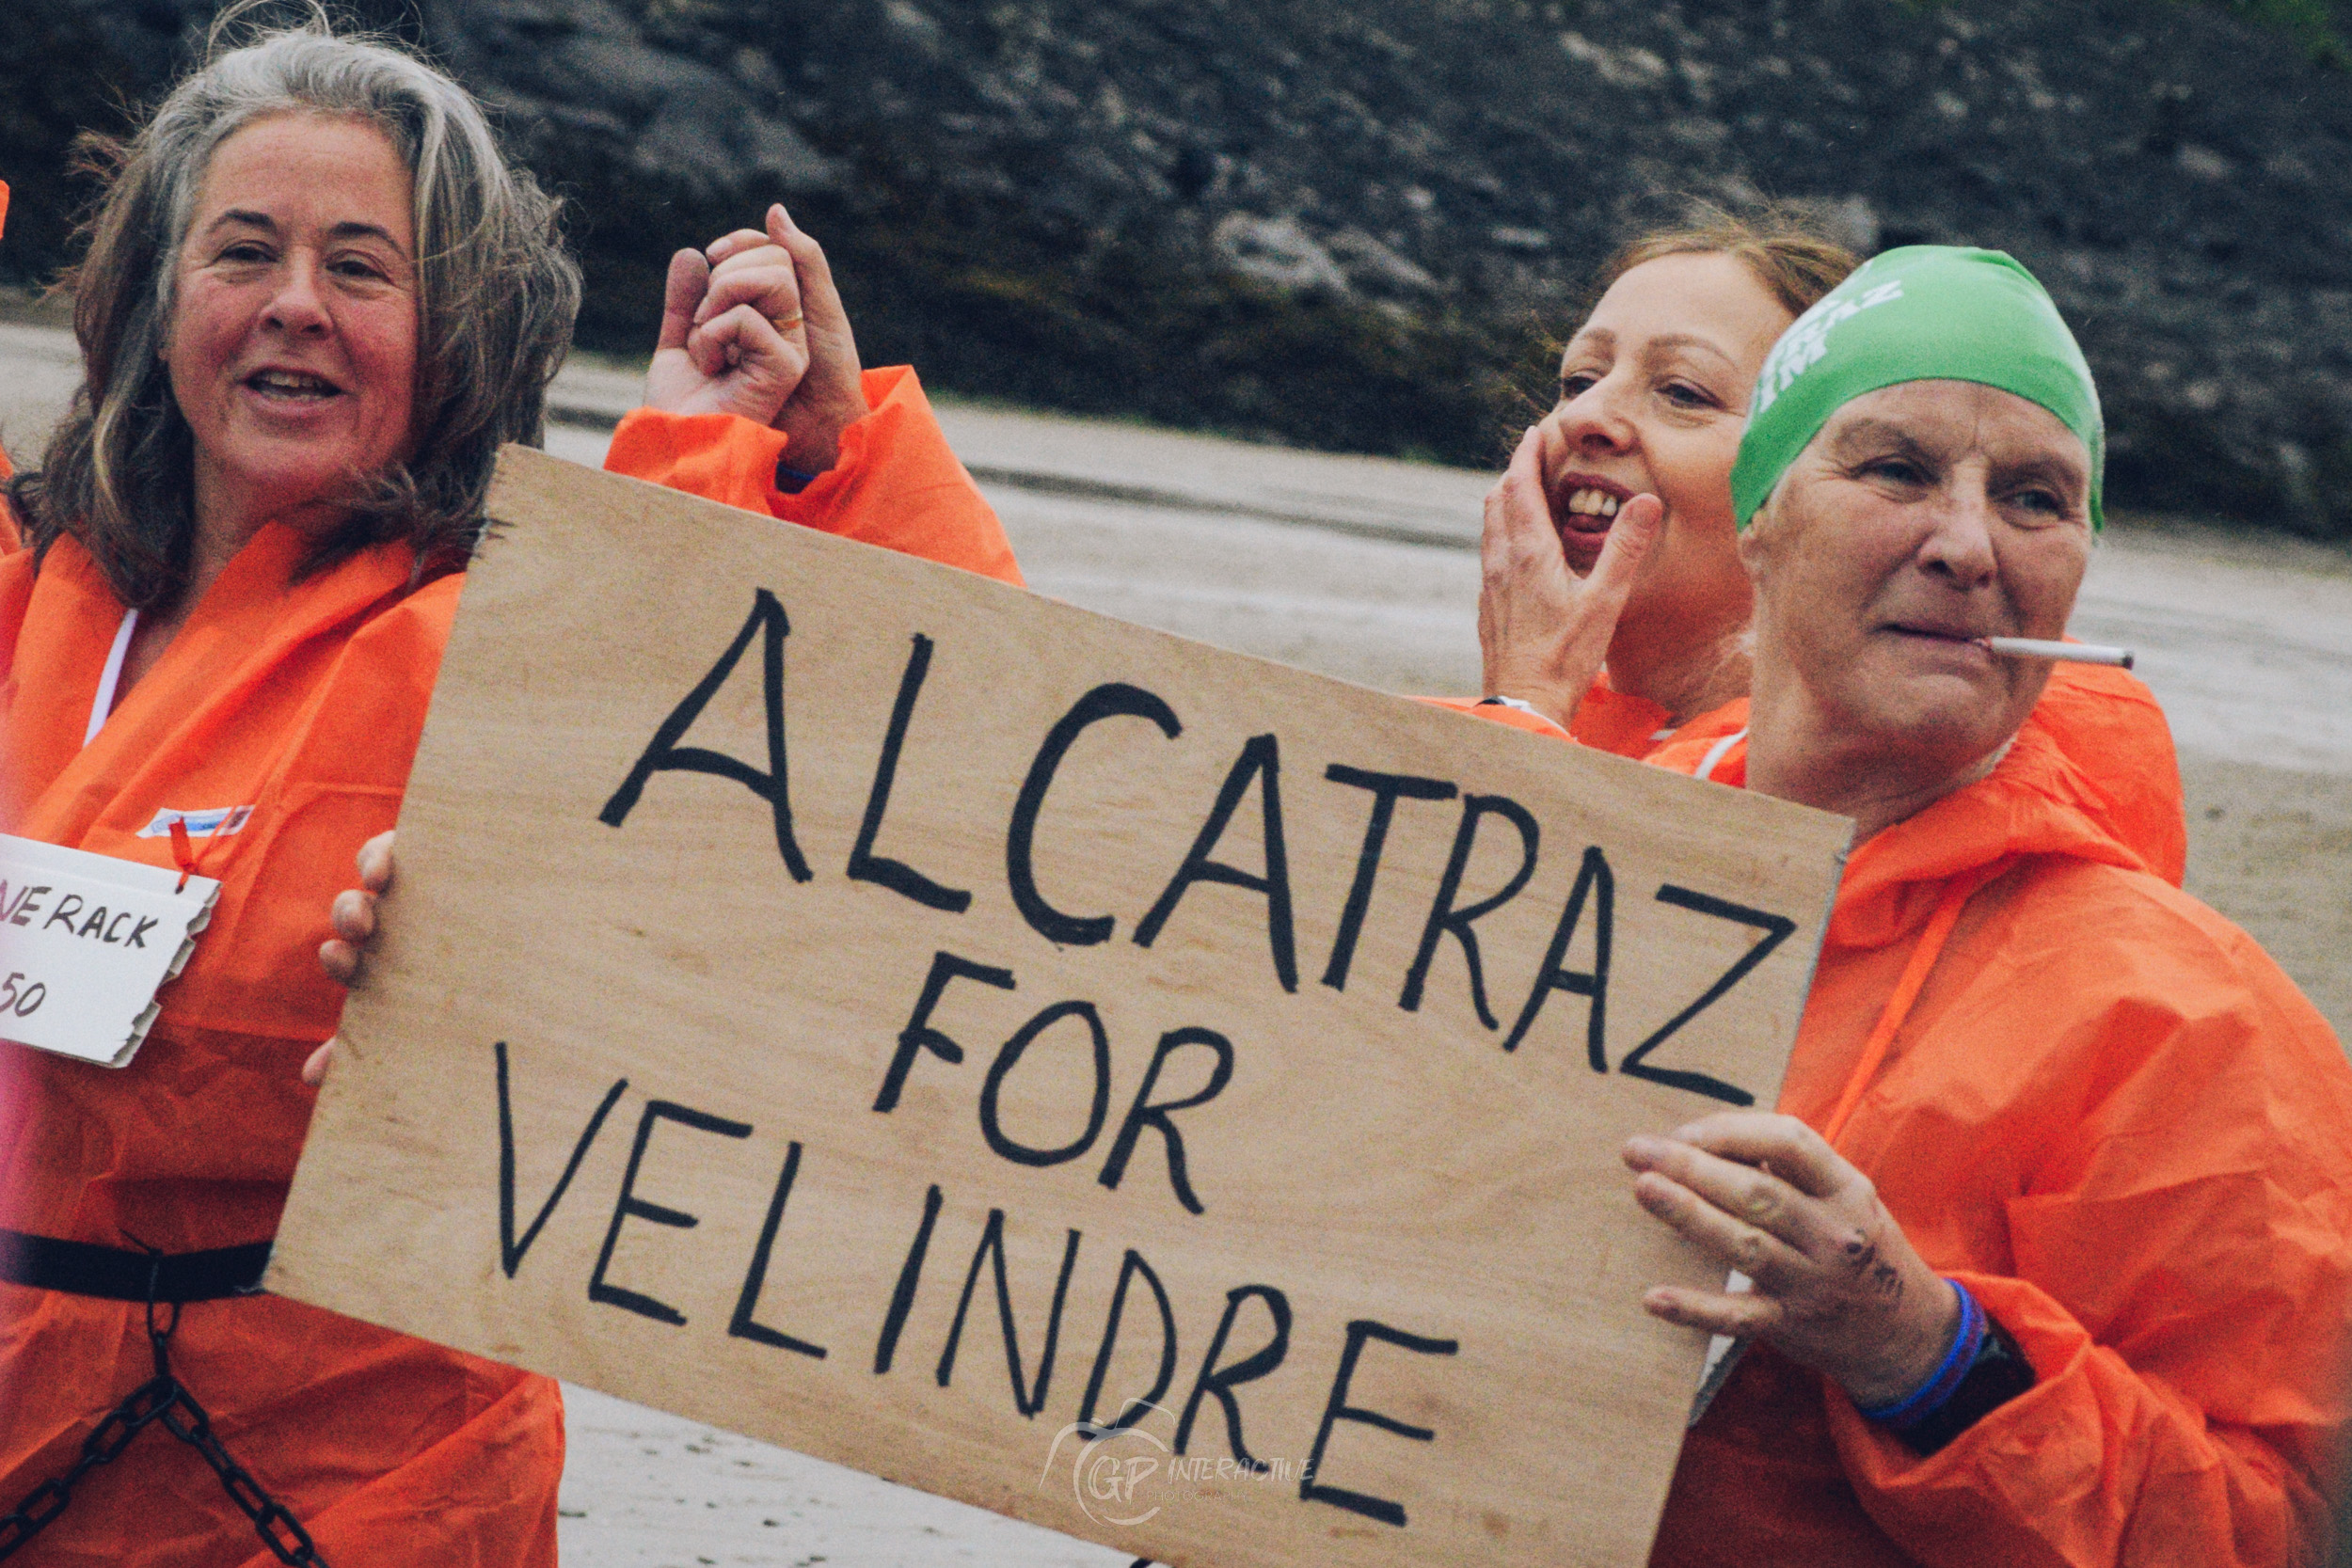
<point>2068,478</point>
<point>346,231</point>
<point>1884,437</point>
<point>1655,348</point>
<point>1598,336</point>
<point>2056,472</point>
<point>1667,341</point>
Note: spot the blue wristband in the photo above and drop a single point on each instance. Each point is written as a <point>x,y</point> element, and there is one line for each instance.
<point>1929,1396</point>
<point>791,481</point>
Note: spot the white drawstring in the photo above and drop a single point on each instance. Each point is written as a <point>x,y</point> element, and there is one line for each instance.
<point>110,680</point>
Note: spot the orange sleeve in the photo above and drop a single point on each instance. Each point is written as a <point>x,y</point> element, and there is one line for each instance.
<point>1534,723</point>
<point>1607,720</point>
<point>2110,726</point>
<point>896,482</point>
<point>2186,1280</point>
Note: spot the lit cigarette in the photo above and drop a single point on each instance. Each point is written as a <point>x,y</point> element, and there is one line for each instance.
<point>2062,653</point>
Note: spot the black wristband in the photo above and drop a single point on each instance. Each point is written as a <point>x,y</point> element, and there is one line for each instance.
<point>1998,1374</point>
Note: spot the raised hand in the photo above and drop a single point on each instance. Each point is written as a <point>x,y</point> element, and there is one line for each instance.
<point>753,326</point>
<point>733,340</point>
<point>831,394</point>
<point>1543,632</point>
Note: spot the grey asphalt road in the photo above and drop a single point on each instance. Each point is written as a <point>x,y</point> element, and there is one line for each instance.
<point>1366,569</point>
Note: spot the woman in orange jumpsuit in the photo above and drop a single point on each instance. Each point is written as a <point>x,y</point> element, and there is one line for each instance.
<point>301,353</point>
<point>2051,1241</point>
<point>1654,392</point>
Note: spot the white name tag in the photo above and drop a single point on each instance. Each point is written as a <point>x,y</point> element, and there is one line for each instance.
<point>86,941</point>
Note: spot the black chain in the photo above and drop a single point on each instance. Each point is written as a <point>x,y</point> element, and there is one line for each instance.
<point>166,1400</point>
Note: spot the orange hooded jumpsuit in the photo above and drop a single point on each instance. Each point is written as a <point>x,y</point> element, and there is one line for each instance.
<point>2101,1107</point>
<point>304,701</point>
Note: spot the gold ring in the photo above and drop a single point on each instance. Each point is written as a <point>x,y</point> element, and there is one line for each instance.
<point>787,324</point>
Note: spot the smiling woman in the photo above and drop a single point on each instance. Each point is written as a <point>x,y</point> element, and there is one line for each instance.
<point>315,301</point>
<point>293,344</point>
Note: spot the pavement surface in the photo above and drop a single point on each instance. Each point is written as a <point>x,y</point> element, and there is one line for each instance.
<point>1366,569</point>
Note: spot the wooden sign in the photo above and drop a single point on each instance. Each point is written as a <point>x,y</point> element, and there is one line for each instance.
<point>1145,1090</point>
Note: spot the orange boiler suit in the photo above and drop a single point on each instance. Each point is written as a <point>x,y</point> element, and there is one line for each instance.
<point>2101,1107</point>
<point>302,700</point>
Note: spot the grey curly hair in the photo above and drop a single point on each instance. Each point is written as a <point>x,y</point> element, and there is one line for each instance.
<point>495,298</point>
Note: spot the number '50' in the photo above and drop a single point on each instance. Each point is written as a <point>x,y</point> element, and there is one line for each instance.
<point>21,999</point>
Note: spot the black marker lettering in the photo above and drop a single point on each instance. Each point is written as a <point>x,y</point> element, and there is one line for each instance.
<point>1386,790</point>
<point>919,1036</point>
<point>1009,1057</point>
<point>115,927</point>
<point>66,911</point>
<point>1337,1410</point>
<point>630,1205</point>
<point>1220,1381</point>
<point>511,1251</point>
<point>1108,701</point>
<point>1143,1113</point>
<point>993,1244</point>
<point>902,1294</point>
<point>95,925</point>
<point>1135,1409</point>
<point>1260,758</point>
<point>138,934</point>
<point>1776,929</point>
<point>664,754</point>
<point>755,1278</point>
<point>1593,875</point>
<point>866,866</point>
<point>1444,917</point>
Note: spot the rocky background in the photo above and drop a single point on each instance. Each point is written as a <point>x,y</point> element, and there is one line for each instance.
<point>1355,226</point>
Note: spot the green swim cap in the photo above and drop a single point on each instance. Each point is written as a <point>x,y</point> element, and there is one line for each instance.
<point>1925,313</point>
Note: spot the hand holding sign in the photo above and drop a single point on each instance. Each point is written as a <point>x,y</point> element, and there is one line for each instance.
<point>1837,1284</point>
<point>353,917</point>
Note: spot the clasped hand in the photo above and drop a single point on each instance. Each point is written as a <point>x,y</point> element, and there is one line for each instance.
<point>753,326</point>
<point>1837,1284</point>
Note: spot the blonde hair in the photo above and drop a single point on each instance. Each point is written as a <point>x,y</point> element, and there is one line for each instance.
<point>1782,246</point>
<point>495,304</point>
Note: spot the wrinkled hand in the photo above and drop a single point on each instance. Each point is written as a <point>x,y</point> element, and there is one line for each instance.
<point>1838,1286</point>
<point>753,326</point>
<point>353,916</point>
<point>1544,633</point>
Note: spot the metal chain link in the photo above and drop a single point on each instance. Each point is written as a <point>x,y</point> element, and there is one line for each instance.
<point>166,1400</point>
